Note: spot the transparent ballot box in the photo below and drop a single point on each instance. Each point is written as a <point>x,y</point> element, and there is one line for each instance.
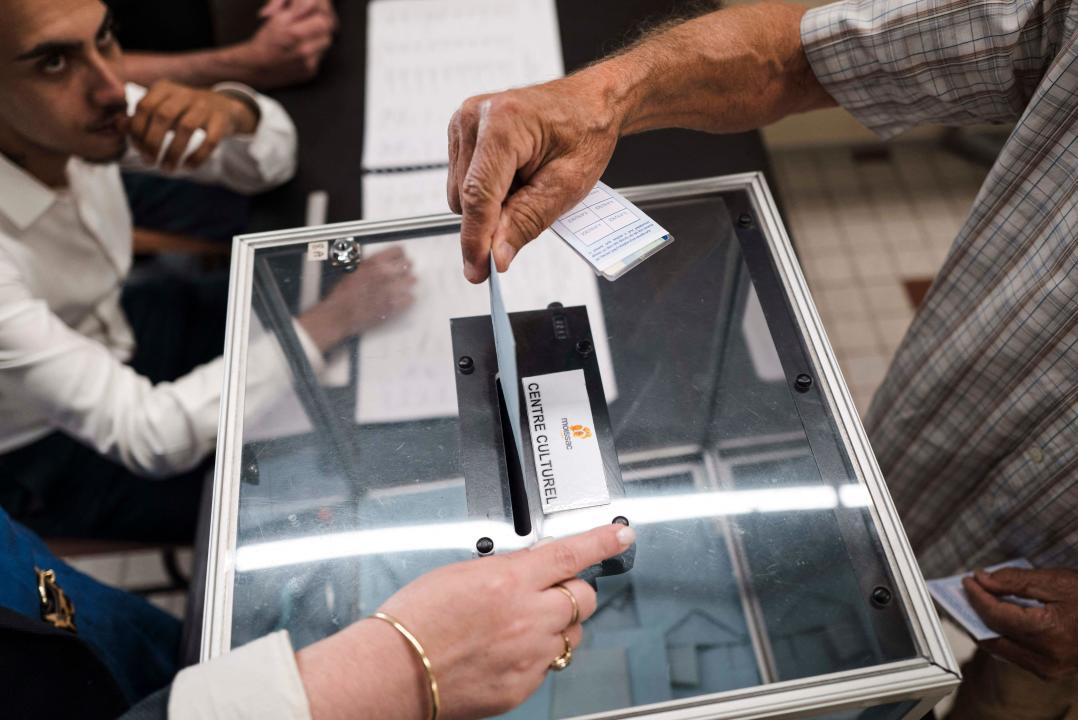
<point>771,576</point>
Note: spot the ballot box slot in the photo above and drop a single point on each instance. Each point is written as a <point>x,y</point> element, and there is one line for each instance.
<point>518,494</point>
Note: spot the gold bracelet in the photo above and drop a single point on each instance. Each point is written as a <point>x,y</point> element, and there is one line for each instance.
<point>434,699</point>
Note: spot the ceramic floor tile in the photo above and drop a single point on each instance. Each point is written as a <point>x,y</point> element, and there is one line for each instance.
<point>830,268</point>
<point>865,371</point>
<point>853,335</point>
<point>844,303</point>
<point>862,398</point>
<point>107,569</point>
<point>887,299</point>
<point>838,171</point>
<point>917,263</point>
<point>144,569</point>
<point>891,330</point>
<point>173,603</point>
<point>872,265</point>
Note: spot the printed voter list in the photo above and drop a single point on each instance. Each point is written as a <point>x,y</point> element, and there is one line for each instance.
<point>611,233</point>
<point>568,462</point>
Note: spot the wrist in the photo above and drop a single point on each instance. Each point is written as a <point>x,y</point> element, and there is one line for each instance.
<point>351,674</point>
<point>244,110</point>
<point>322,326</point>
<point>618,84</point>
<point>399,667</point>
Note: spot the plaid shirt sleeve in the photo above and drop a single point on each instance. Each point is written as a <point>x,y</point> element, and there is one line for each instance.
<point>895,64</point>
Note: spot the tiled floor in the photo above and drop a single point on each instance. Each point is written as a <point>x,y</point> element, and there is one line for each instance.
<point>872,226</point>
<point>137,570</point>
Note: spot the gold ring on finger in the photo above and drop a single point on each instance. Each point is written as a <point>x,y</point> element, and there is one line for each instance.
<point>562,661</point>
<point>572,598</point>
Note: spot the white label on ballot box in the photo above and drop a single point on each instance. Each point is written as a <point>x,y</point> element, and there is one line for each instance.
<point>611,233</point>
<point>568,463</point>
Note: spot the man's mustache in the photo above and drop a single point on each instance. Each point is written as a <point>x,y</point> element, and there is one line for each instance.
<point>112,116</point>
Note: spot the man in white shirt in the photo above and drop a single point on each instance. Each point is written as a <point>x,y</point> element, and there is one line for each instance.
<point>80,429</point>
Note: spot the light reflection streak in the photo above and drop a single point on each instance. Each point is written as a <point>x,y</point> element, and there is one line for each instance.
<point>462,536</point>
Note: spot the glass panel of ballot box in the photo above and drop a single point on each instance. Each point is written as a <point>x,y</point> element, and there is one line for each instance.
<point>771,576</point>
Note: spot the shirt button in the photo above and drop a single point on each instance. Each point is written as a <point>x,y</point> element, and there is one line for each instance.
<point>1035,454</point>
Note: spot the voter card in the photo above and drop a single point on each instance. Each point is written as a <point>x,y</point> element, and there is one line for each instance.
<point>505,346</point>
<point>611,233</point>
<point>951,596</point>
<point>568,461</point>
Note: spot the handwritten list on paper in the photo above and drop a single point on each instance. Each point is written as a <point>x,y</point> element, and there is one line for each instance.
<point>425,57</point>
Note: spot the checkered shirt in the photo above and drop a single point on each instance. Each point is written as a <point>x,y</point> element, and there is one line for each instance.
<point>976,424</point>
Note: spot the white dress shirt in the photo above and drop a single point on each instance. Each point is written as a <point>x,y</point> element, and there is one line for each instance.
<point>64,340</point>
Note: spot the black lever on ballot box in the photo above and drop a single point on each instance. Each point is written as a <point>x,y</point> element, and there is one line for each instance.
<point>499,485</point>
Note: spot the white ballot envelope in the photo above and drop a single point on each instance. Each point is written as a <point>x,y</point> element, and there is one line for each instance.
<point>951,596</point>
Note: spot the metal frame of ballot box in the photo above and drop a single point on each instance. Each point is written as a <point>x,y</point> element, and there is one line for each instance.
<point>917,683</point>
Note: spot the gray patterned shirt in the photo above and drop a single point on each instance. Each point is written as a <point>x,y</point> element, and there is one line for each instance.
<point>976,424</point>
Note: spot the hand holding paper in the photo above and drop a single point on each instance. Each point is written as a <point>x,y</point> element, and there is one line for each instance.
<point>554,139</point>
<point>1041,637</point>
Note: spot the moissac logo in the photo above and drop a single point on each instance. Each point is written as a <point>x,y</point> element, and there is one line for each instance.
<point>581,432</point>
<point>569,432</point>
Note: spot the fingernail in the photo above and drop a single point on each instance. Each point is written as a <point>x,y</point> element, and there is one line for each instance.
<point>626,536</point>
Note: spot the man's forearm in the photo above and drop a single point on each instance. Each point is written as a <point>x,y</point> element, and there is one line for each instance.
<point>198,68</point>
<point>728,71</point>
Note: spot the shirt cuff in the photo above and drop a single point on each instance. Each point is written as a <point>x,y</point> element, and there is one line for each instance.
<point>260,679</point>
<point>247,95</point>
<point>272,144</point>
<point>836,41</point>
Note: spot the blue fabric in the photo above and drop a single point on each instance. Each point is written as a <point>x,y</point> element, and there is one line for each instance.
<point>136,641</point>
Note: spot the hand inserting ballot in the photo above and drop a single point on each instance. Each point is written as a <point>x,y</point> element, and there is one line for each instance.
<point>519,159</point>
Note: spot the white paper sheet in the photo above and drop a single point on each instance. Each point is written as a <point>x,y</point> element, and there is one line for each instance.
<point>425,57</point>
<point>387,196</point>
<point>406,366</point>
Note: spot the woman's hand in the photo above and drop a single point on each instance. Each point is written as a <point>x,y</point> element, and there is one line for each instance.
<point>491,627</point>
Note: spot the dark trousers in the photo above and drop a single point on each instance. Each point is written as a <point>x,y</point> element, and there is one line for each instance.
<point>59,487</point>
<point>185,207</point>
